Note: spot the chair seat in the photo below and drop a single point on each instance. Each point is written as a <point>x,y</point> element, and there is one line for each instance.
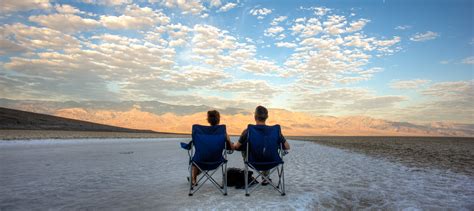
<point>209,165</point>
<point>264,166</point>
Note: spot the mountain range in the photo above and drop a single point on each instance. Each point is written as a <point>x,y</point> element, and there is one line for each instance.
<point>163,117</point>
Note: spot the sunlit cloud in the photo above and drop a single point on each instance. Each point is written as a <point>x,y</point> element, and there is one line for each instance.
<point>308,58</point>
<point>420,37</point>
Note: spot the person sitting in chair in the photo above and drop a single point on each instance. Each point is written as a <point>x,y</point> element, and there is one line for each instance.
<point>213,118</point>
<point>261,115</point>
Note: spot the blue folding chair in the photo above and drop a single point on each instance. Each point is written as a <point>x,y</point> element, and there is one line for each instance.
<point>210,153</point>
<point>264,153</point>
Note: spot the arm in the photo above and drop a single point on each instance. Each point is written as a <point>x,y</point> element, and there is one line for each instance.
<point>286,146</point>
<point>283,140</point>
<point>228,143</point>
<point>242,139</point>
<point>236,145</point>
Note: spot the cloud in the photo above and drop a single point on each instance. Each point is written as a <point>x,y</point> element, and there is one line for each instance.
<point>33,38</point>
<point>227,7</point>
<point>258,90</point>
<point>403,27</point>
<point>378,102</point>
<point>307,28</point>
<point>451,90</point>
<point>447,101</point>
<point>135,17</point>
<point>67,9</point>
<point>260,12</point>
<point>335,24</point>
<point>277,20</point>
<point>10,47</point>
<point>408,84</point>
<point>320,11</point>
<point>347,100</point>
<point>194,7</point>
<point>68,22</point>
<point>108,2</point>
<point>357,25</point>
<point>420,37</point>
<point>273,31</point>
<point>332,52</point>
<point>10,6</point>
<point>285,45</point>
<point>468,60</point>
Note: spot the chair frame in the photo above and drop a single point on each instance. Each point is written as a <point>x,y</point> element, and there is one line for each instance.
<point>207,173</point>
<point>280,186</point>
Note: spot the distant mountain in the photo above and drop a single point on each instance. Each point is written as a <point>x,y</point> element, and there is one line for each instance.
<point>158,116</point>
<point>22,120</point>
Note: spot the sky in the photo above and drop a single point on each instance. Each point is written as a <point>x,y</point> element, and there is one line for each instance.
<point>397,60</point>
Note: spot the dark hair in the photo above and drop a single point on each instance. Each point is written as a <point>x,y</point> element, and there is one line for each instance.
<point>261,113</point>
<point>213,117</point>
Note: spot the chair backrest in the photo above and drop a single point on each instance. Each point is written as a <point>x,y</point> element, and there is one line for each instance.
<point>209,142</point>
<point>264,143</point>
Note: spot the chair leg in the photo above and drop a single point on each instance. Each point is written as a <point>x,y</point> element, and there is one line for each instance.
<point>246,180</point>
<point>190,180</point>
<point>225,179</point>
<point>282,181</point>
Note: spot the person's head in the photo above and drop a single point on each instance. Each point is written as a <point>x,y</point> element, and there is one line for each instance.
<point>213,117</point>
<point>261,114</point>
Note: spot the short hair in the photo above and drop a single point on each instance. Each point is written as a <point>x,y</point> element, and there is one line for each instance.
<point>261,113</point>
<point>213,117</point>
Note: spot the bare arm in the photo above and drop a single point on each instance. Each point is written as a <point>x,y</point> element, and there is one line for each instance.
<point>286,146</point>
<point>237,145</point>
<point>229,144</point>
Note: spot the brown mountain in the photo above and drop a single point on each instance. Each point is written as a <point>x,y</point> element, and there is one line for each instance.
<point>158,116</point>
<point>23,120</point>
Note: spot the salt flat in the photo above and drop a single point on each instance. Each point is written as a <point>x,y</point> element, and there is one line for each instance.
<point>151,174</point>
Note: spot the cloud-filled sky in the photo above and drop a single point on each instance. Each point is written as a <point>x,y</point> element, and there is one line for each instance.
<point>398,60</point>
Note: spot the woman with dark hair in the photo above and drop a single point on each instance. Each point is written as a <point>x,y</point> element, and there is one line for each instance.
<point>213,118</point>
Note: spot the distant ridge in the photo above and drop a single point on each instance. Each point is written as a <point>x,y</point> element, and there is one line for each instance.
<point>24,120</point>
<point>159,116</point>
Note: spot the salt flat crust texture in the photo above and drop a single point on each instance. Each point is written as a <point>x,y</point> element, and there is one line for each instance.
<point>151,173</point>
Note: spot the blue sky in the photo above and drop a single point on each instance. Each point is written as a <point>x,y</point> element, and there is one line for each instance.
<point>398,60</point>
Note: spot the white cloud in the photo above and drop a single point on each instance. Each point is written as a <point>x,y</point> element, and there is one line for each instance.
<point>9,6</point>
<point>451,89</point>
<point>194,7</point>
<point>307,29</point>
<point>321,11</point>
<point>67,9</point>
<point>108,2</point>
<point>68,22</point>
<point>357,25</point>
<point>277,20</point>
<point>335,24</point>
<point>249,89</point>
<point>420,37</point>
<point>215,3</point>
<point>403,27</point>
<point>33,38</point>
<point>260,12</point>
<point>285,45</point>
<point>344,101</point>
<point>273,31</point>
<point>468,60</point>
<point>338,56</point>
<point>135,17</point>
<point>227,7</point>
<point>408,84</point>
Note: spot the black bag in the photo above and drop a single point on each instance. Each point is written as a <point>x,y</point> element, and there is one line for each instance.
<point>236,177</point>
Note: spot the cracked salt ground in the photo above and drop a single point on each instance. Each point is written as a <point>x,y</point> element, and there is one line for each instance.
<point>151,173</point>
